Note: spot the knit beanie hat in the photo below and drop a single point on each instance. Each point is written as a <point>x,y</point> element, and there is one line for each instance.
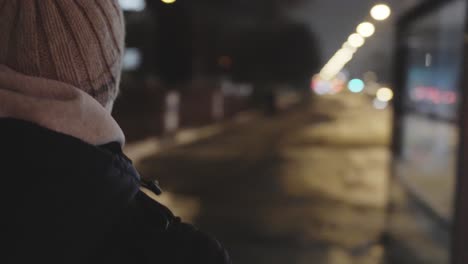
<point>79,42</point>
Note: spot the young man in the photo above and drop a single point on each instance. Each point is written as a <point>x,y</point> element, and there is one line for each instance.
<point>69,195</point>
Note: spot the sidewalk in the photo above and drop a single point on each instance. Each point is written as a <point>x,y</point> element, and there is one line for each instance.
<point>306,186</point>
<point>139,150</point>
<point>185,207</point>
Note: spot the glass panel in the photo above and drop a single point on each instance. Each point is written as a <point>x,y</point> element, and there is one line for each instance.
<point>427,162</point>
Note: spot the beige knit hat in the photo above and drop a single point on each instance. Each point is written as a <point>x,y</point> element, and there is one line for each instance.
<point>79,42</point>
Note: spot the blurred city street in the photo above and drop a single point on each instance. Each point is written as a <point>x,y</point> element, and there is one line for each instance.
<point>292,131</point>
<point>366,169</point>
<point>308,184</point>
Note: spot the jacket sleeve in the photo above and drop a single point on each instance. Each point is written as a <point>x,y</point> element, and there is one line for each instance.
<point>149,233</point>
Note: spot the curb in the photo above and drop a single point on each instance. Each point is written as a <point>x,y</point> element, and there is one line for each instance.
<point>139,150</point>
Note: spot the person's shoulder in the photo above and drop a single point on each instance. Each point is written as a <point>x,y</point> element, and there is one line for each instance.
<point>16,137</point>
<point>13,126</point>
<point>21,132</point>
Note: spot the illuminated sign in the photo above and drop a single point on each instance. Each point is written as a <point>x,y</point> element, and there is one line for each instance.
<point>433,95</point>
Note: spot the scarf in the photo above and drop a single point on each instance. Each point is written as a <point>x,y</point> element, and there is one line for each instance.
<point>57,106</point>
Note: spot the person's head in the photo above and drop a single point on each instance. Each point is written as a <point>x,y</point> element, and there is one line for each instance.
<point>79,42</point>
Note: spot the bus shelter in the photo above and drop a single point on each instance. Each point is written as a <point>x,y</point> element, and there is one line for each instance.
<point>431,119</point>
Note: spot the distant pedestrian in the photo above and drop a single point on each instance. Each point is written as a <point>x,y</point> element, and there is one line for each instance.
<point>68,193</point>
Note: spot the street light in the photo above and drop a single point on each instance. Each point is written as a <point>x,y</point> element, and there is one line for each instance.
<point>366,29</point>
<point>380,12</point>
<point>348,46</point>
<point>385,94</point>
<point>344,55</point>
<point>356,40</point>
<point>168,1</point>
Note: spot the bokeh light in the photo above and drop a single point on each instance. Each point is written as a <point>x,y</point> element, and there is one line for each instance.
<point>380,12</point>
<point>348,46</point>
<point>384,94</point>
<point>132,59</point>
<point>133,5</point>
<point>320,87</point>
<point>356,85</point>
<point>356,40</point>
<point>366,29</point>
<point>380,105</point>
<point>344,55</point>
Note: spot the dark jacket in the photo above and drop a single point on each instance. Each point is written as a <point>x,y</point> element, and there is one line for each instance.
<point>65,201</point>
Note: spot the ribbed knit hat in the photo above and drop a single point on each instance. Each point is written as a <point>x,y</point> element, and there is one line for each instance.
<point>79,42</point>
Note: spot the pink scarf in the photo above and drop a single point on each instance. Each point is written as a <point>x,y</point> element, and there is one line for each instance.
<point>57,106</point>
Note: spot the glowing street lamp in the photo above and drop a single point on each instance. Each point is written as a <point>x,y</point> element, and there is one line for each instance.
<point>168,1</point>
<point>384,94</point>
<point>356,40</point>
<point>380,12</point>
<point>366,29</point>
<point>348,46</point>
<point>344,55</point>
